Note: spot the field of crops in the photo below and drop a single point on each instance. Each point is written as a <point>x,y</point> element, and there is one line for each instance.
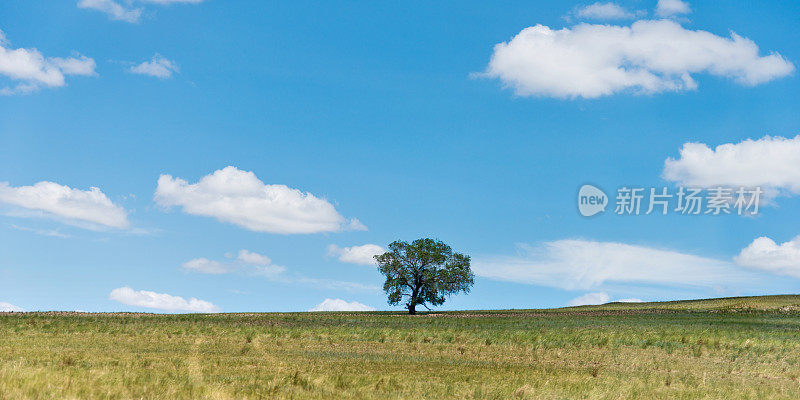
<point>724,348</point>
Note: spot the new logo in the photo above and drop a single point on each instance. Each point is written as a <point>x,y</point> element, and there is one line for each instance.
<point>591,200</point>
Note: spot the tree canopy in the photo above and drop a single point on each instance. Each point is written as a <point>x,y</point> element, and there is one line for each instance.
<point>423,272</point>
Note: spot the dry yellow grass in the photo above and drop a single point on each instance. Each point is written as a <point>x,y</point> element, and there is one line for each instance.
<point>608,352</point>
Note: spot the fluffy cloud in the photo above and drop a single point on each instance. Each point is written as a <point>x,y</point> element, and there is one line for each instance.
<point>648,57</point>
<point>160,301</point>
<point>8,307</point>
<point>604,11</point>
<point>341,305</point>
<point>668,8</point>
<point>30,70</point>
<point>763,253</point>
<point>239,197</point>
<point>590,299</point>
<point>598,298</point>
<point>246,261</point>
<point>158,67</point>
<point>356,254</point>
<point>581,264</point>
<point>631,300</point>
<point>87,208</point>
<point>118,12</point>
<point>772,163</point>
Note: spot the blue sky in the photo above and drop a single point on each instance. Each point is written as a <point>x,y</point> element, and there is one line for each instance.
<point>401,116</point>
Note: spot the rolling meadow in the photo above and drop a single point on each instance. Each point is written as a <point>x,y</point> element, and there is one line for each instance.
<point>718,348</point>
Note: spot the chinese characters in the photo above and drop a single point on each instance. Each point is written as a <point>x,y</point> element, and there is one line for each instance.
<point>688,201</point>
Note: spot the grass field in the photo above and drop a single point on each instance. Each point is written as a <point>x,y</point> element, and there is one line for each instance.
<point>719,348</point>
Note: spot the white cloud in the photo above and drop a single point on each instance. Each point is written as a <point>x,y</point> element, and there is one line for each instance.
<point>269,271</point>
<point>246,262</point>
<point>161,301</point>
<point>79,65</point>
<point>582,264</point>
<point>630,300</point>
<point>590,299</point>
<point>598,298</point>
<point>763,253</point>
<point>356,254</point>
<point>249,257</point>
<point>239,197</point>
<point>118,12</point>
<point>164,2</point>
<point>87,208</point>
<point>113,9</point>
<point>590,61</point>
<point>254,264</point>
<point>772,163</point>
<point>158,67</point>
<point>341,305</point>
<point>354,225</point>
<point>668,8</point>
<point>206,266</point>
<point>42,232</point>
<point>605,11</point>
<point>30,70</point>
<point>8,307</point>
<point>331,284</point>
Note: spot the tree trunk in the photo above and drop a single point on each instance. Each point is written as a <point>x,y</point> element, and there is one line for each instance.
<point>412,302</point>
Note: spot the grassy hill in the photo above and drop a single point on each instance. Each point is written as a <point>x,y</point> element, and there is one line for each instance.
<point>788,303</point>
<point>745,347</point>
<point>781,303</point>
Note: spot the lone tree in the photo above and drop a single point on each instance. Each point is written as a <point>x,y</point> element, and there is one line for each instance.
<point>424,271</point>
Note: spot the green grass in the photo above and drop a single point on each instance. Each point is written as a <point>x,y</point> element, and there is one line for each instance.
<point>718,348</point>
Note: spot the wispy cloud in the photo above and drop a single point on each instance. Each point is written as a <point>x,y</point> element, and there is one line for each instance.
<point>167,2</point>
<point>253,264</point>
<point>159,67</point>
<point>42,232</point>
<point>245,262</point>
<point>113,9</point>
<point>127,12</point>
<point>583,264</point>
<point>605,11</point>
<point>332,284</point>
